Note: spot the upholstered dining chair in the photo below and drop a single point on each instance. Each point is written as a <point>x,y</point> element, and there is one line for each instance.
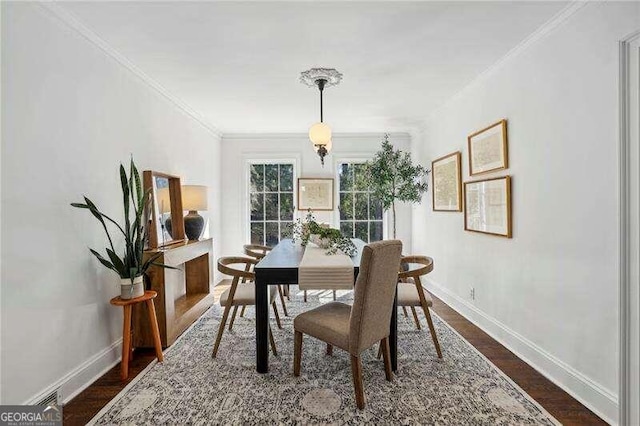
<point>358,327</point>
<point>258,251</point>
<point>411,293</point>
<point>240,293</point>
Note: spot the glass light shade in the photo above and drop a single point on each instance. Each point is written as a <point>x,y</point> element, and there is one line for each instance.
<point>194,197</point>
<point>320,134</point>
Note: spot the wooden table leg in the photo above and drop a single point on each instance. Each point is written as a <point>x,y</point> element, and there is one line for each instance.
<point>126,343</point>
<point>393,333</point>
<point>153,321</point>
<point>262,326</point>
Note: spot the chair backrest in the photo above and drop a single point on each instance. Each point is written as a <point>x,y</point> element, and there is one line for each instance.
<point>256,251</point>
<point>426,266</point>
<point>245,273</point>
<point>374,292</point>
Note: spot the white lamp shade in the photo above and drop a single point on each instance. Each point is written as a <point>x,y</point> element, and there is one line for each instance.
<point>194,197</point>
<point>320,134</point>
<point>164,200</point>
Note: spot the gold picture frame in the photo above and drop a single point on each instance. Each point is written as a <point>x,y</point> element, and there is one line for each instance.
<point>488,149</point>
<point>165,214</point>
<point>446,183</point>
<point>315,194</point>
<point>487,206</point>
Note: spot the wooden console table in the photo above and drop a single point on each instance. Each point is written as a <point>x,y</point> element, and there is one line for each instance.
<point>183,295</point>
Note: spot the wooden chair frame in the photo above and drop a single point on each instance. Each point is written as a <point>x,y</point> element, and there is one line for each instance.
<point>245,274</point>
<point>427,266</point>
<point>258,251</point>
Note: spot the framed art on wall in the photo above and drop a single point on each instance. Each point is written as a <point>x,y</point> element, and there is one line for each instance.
<point>315,193</point>
<point>447,183</point>
<point>487,206</point>
<point>488,149</point>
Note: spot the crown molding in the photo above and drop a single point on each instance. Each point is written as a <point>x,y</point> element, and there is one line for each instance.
<point>541,32</point>
<point>74,23</point>
<point>297,136</point>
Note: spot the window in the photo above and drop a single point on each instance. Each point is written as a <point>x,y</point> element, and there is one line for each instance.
<point>271,202</point>
<point>360,212</point>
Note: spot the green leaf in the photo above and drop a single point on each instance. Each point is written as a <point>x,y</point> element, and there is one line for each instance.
<point>116,261</point>
<point>104,261</point>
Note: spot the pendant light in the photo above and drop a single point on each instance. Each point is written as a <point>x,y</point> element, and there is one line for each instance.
<point>320,133</point>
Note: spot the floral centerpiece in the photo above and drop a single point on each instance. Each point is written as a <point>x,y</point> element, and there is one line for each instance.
<point>328,238</point>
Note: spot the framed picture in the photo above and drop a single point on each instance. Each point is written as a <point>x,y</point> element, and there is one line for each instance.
<point>487,206</point>
<point>488,149</point>
<point>315,194</point>
<point>446,175</point>
<point>166,221</point>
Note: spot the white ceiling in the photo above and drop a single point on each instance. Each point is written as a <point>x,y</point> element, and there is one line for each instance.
<point>238,63</point>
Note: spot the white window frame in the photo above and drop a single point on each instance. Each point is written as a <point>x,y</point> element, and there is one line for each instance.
<point>248,161</point>
<point>354,158</point>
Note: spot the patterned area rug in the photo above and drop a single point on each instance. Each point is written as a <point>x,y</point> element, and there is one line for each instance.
<point>190,387</point>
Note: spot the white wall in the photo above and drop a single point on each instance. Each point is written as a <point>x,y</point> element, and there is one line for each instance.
<point>237,149</point>
<point>71,114</point>
<point>550,293</point>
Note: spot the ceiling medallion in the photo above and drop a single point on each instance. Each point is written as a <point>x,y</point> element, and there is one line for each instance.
<point>320,133</point>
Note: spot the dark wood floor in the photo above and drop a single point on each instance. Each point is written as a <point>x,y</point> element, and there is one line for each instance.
<point>557,402</point>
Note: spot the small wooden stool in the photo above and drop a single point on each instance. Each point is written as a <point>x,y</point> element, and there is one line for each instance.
<point>126,328</point>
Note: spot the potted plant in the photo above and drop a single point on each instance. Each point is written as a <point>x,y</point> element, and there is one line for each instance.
<point>393,177</point>
<point>325,237</point>
<point>130,266</point>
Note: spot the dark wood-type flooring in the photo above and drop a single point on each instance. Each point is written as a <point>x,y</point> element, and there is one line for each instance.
<point>557,402</point>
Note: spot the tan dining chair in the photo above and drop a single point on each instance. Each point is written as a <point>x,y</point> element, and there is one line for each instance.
<point>357,328</point>
<point>411,293</point>
<point>258,251</point>
<point>240,293</point>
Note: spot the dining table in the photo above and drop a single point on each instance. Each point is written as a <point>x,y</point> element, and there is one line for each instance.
<point>281,266</point>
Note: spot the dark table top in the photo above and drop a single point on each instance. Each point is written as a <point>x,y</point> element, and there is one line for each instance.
<point>287,255</point>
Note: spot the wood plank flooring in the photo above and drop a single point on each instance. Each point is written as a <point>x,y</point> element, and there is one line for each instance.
<point>557,402</point>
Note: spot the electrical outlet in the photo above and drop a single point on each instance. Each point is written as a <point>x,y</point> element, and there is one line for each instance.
<point>472,293</point>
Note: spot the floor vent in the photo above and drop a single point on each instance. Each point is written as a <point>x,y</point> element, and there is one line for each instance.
<point>52,398</point>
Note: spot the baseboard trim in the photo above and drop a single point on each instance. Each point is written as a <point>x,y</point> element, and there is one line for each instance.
<point>81,377</point>
<point>589,393</point>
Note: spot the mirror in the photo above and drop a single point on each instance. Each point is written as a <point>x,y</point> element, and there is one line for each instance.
<point>166,224</point>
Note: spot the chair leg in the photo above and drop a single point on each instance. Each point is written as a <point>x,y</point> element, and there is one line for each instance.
<point>275,311</point>
<point>432,329</point>
<point>329,349</point>
<point>379,351</point>
<point>242,311</point>
<point>356,371</point>
<point>284,305</point>
<point>297,353</point>
<point>386,354</point>
<point>415,317</point>
<point>404,309</point>
<point>334,295</point>
<point>288,292</point>
<point>233,316</point>
<point>305,296</point>
<point>272,341</point>
<point>223,323</point>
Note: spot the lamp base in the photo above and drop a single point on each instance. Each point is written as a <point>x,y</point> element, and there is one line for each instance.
<point>193,225</point>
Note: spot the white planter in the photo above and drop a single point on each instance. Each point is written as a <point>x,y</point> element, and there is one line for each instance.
<point>128,291</point>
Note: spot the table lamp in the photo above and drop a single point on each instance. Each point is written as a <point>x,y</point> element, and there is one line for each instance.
<point>194,199</point>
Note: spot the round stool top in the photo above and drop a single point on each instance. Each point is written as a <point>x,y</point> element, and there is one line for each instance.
<point>118,301</point>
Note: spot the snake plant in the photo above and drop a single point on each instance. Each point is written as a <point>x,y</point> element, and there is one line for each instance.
<point>131,263</point>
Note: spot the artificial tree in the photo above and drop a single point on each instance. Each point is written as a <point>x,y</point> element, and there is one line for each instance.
<point>393,177</point>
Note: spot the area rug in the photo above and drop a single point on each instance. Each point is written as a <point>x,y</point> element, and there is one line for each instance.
<point>190,387</point>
